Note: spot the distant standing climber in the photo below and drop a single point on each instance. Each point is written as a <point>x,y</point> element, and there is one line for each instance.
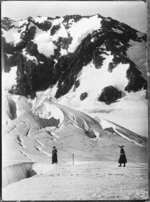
<point>122,159</point>
<point>54,155</point>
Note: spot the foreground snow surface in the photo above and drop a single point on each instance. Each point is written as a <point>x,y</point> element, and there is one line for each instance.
<point>83,180</point>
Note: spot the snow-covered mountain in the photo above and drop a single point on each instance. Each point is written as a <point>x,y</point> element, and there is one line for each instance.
<point>79,83</point>
<point>76,58</point>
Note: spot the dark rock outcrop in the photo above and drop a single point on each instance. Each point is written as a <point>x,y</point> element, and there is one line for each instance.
<point>97,58</point>
<point>32,77</point>
<point>7,23</point>
<point>136,81</point>
<point>77,83</point>
<point>54,29</point>
<point>31,48</point>
<point>9,61</point>
<point>83,96</point>
<point>109,95</point>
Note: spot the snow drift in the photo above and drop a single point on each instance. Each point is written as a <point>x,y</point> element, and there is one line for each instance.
<point>16,172</point>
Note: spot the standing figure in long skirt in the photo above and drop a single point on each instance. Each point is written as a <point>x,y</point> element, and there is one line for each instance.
<point>122,159</point>
<point>54,155</point>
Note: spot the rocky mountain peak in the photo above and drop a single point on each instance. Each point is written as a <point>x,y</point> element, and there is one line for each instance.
<point>56,52</point>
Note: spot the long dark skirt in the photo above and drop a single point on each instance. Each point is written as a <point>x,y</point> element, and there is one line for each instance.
<point>122,159</point>
<point>54,158</point>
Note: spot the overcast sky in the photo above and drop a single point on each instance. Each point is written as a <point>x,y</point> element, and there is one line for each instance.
<point>132,13</point>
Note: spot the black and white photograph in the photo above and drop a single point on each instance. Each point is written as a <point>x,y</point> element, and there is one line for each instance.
<point>74,80</point>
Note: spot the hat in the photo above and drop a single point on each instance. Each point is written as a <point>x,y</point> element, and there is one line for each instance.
<point>121,146</point>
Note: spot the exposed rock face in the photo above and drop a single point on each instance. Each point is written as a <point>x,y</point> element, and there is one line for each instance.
<point>83,96</point>
<point>7,23</point>
<point>97,58</point>
<point>38,38</point>
<point>136,81</point>
<point>109,95</point>
<point>77,83</point>
<point>54,29</point>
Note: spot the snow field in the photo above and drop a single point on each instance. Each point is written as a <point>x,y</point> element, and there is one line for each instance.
<point>131,112</point>
<point>57,21</point>
<point>9,79</point>
<point>62,32</point>
<point>40,19</point>
<point>22,22</point>
<point>79,30</point>
<point>63,52</point>
<point>44,42</point>
<point>12,36</point>
<point>83,181</point>
<point>93,80</point>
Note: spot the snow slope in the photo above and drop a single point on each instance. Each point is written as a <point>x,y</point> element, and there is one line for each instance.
<point>93,80</point>
<point>44,43</point>
<point>131,112</point>
<point>82,181</point>
<point>31,135</point>
<point>79,30</point>
<point>39,125</point>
